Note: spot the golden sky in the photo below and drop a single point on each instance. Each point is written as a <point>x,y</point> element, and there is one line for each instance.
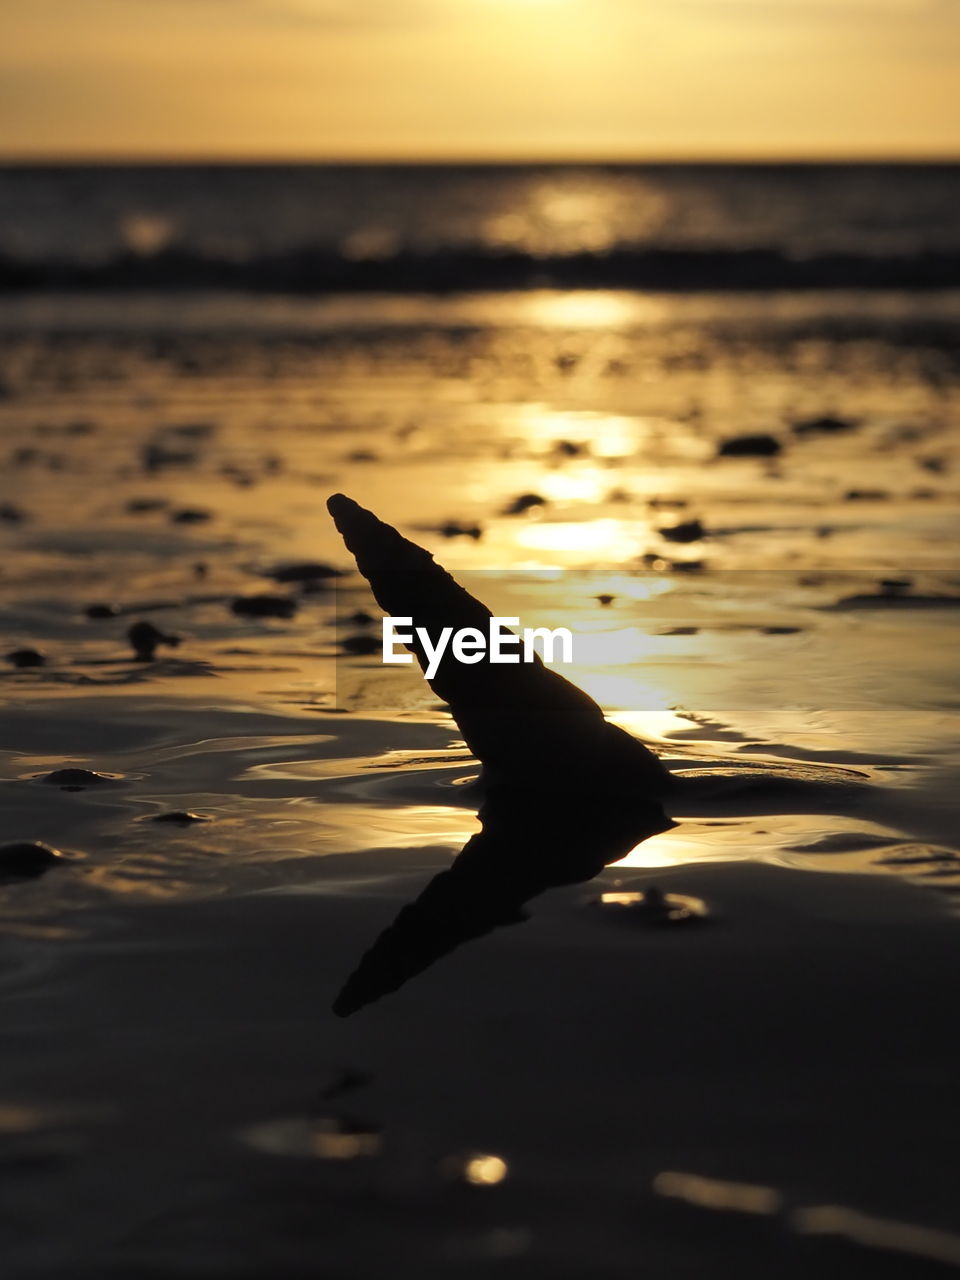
<point>365,79</point>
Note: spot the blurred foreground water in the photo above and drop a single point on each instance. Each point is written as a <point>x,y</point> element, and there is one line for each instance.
<point>746,506</point>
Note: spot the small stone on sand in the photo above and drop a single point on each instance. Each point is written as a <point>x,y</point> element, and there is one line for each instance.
<point>23,658</point>
<point>687,531</point>
<point>361,644</point>
<point>191,515</point>
<point>826,425</point>
<point>525,502</point>
<point>749,446</point>
<point>303,571</point>
<point>264,607</point>
<point>97,612</point>
<point>74,779</point>
<point>145,639</point>
<point>27,859</point>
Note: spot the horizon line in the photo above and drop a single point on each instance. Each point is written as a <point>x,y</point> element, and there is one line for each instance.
<point>254,160</point>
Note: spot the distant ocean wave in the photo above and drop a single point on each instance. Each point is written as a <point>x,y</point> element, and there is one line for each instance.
<point>317,271</point>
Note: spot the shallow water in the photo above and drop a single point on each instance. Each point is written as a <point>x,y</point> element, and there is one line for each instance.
<point>814,707</point>
<point>782,645</point>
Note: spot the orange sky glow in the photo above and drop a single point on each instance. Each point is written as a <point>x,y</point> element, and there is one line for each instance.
<point>480,79</point>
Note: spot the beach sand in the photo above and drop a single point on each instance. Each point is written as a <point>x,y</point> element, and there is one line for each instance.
<point>769,1092</point>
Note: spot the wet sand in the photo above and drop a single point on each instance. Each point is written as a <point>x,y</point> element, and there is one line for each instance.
<point>172,1095</point>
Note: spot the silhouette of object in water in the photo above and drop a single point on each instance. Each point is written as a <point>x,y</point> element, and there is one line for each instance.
<point>565,791</point>
<point>145,639</point>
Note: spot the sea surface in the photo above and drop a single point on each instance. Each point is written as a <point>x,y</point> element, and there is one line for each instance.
<point>193,359</point>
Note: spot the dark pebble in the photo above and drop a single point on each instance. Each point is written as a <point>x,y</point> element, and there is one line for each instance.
<point>454,529</point>
<point>688,531</point>
<point>570,449</point>
<point>193,430</point>
<point>145,639</point>
<point>99,611</point>
<point>191,515</point>
<point>74,778</point>
<point>140,506</point>
<point>606,599</point>
<point>303,571</point>
<point>154,457</point>
<point>826,425</point>
<point>361,644</point>
<point>866,495</point>
<point>27,859</point>
<point>525,502</point>
<point>11,514</point>
<point>749,446</point>
<point>688,566</point>
<point>179,817</point>
<point>264,607</point>
<point>26,658</point>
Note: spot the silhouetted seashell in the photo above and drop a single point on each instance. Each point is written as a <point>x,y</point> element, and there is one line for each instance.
<point>146,639</point>
<point>361,644</point>
<point>749,446</point>
<point>75,778</point>
<point>27,859</point>
<point>303,571</point>
<point>826,425</point>
<point>96,612</point>
<point>525,502</point>
<point>687,531</point>
<point>538,738</point>
<point>606,599</point>
<point>264,607</point>
<point>179,817</point>
<point>26,658</point>
<point>652,908</point>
